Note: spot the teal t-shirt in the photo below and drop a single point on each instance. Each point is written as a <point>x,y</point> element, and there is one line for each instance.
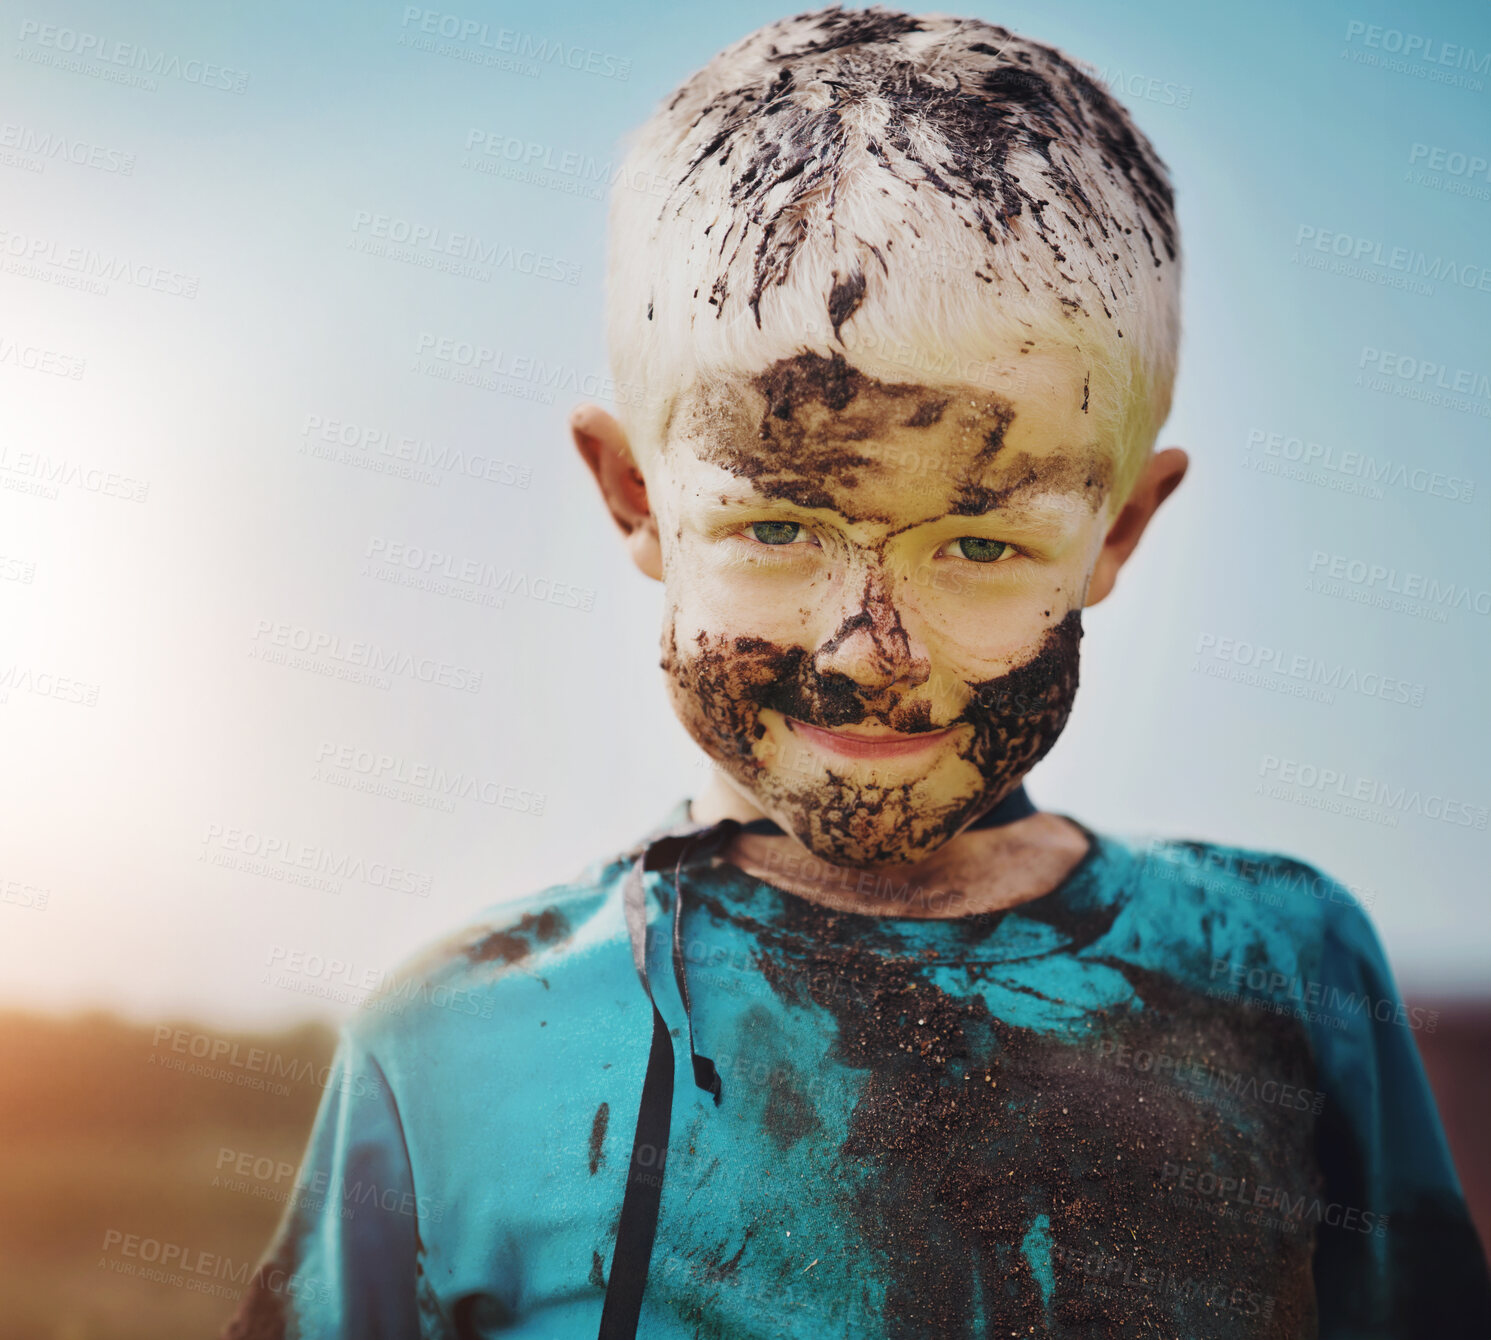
<point>1177,1096</point>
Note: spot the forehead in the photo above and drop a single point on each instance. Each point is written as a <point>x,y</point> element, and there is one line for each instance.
<point>818,432</point>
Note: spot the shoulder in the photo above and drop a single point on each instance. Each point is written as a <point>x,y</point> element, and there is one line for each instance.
<point>1268,879</point>
<point>487,965</point>
<point>1243,906</point>
<point>557,919</point>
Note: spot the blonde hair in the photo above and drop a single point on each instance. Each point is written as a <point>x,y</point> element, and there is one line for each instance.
<point>914,192</point>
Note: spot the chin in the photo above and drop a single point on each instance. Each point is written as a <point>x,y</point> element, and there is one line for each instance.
<point>869,847</point>
<point>862,825</point>
<point>877,852</point>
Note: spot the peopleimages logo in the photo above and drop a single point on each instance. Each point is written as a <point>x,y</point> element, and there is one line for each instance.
<point>438,571</point>
<point>1421,371</point>
<point>41,473</point>
<point>251,1067</point>
<point>18,677</point>
<point>512,42</point>
<point>392,770</point>
<point>1205,1077</point>
<point>1264,880</point>
<point>17,893</point>
<point>280,857</point>
<point>488,365</point>
<point>1394,798</point>
<point>1352,472</point>
<point>1380,579</point>
<point>25,144</point>
<point>1467,390</point>
<point>1334,1001</point>
<point>355,655</point>
<point>276,1179</point>
<point>1104,1274</point>
<point>462,254</point>
<point>571,171</point>
<point>34,257</point>
<point>1293,1210</point>
<point>1164,91</point>
<point>1450,170</point>
<point>34,358</point>
<point>67,48</point>
<point>1366,257</point>
<point>1322,678</point>
<point>1416,46</point>
<point>379,451</point>
<point>163,1262</point>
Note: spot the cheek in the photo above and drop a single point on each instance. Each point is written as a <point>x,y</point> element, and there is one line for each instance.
<point>1017,716</point>
<point>979,633</point>
<point>713,591</point>
<point>716,681</point>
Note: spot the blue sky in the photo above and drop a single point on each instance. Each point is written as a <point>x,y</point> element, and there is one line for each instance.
<point>271,383</point>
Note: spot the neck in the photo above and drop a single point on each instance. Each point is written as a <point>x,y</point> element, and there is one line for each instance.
<point>985,870</point>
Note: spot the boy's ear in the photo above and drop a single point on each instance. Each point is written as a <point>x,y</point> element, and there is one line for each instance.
<point>603,446</point>
<point>1161,476</point>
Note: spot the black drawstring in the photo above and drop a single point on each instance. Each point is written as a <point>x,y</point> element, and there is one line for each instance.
<point>644,1180</point>
<point>637,1229</point>
<point>705,1075</point>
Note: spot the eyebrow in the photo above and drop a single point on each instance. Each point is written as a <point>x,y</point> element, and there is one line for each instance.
<point>1031,512</point>
<point>1038,495</point>
<point>1069,478</point>
<point>1028,515</point>
<point>748,497</point>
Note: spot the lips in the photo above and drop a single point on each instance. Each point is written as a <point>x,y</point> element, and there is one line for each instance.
<point>857,742</point>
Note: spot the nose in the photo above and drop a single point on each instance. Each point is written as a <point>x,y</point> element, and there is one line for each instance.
<point>871,644</point>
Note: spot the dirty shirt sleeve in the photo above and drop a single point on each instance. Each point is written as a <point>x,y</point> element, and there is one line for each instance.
<point>343,1261</point>
<point>1397,1254</point>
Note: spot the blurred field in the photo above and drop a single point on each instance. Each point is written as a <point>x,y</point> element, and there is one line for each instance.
<point>101,1134</point>
<point>1457,1056</point>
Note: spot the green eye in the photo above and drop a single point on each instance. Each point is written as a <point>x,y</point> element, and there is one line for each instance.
<point>775,532</point>
<point>980,550</point>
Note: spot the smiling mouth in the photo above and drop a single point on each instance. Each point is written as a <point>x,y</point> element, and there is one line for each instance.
<point>858,742</point>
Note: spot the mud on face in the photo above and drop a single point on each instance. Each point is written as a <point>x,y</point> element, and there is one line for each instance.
<point>721,686</point>
<point>814,432</point>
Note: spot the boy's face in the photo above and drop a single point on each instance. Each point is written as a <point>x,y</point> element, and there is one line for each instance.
<point>873,589</point>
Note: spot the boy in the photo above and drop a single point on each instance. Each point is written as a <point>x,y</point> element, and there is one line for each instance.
<point>906,318</point>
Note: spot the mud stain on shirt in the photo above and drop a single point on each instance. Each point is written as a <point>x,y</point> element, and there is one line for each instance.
<point>972,1138</point>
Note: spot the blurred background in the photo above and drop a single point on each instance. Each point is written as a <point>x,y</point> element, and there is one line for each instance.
<point>314,638</point>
